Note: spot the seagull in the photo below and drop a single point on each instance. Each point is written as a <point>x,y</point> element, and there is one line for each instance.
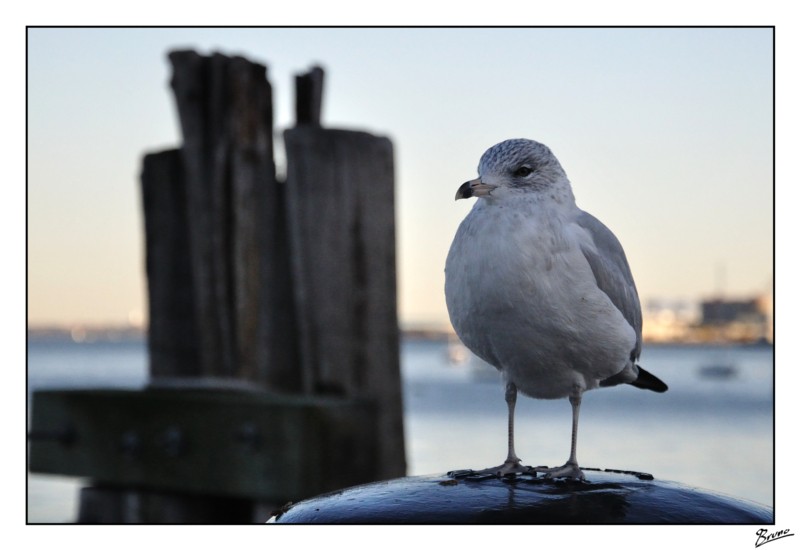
<point>542,290</point>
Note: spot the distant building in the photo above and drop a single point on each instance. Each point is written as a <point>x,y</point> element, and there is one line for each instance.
<point>718,312</point>
<point>748,320</point>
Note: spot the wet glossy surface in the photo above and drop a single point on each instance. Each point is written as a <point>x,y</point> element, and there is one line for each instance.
<point>606,497</point>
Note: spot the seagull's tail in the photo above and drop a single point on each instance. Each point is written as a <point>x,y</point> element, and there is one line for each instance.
<point>647,381</point>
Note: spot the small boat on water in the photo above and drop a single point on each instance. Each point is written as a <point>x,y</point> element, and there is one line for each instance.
<point>718,370</point>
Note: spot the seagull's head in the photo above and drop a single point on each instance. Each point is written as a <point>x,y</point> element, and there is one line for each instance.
<point>514,167</point>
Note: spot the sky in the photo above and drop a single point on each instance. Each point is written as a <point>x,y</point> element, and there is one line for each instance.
<point>665,134</point>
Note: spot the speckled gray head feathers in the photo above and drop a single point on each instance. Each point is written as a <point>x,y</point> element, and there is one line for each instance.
<point>521,163</point>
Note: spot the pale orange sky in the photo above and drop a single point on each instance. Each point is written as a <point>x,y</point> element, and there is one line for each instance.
<point>663,135</point>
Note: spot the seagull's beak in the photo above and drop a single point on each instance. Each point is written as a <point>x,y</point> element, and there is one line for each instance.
<point>474,188</point>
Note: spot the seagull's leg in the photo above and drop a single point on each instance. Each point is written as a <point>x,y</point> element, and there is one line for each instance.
<point>511,400</point>
<point>512,465</point>
<point>575,401</point>
<point>570,469</point>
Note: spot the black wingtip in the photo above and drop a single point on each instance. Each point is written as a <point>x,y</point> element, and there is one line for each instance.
<point>647,381</point>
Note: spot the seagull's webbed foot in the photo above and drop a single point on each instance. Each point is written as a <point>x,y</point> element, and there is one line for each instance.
<point>568,470</point>
<point>507,468</point>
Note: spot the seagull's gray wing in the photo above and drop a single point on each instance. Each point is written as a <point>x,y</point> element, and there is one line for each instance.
<point>612,273</point>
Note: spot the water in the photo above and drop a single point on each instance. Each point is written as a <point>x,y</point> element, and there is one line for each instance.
<point>715,433</point>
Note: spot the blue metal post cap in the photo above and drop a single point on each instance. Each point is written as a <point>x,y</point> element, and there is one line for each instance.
<point>605,497</point>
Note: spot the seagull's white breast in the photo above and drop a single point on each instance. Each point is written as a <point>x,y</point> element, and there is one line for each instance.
<point>522,296</point>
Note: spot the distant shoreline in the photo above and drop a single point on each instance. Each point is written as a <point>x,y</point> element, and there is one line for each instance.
<point>110,334</point>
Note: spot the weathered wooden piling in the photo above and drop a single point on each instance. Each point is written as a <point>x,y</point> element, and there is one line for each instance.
<point>237,234</point>
<point>173,345</point>
<point>274,346</point>
<point>308,97</point>
<point>341,224</point>
<point>341,212</point>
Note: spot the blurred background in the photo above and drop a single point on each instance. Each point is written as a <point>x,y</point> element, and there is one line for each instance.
<point>666,135</point>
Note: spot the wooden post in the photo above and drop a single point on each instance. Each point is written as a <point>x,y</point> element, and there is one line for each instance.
<point>172,336</point>
<point>308,97</point>
<point>237,235</point>
<point>295,284</point>
<point>340,198</point>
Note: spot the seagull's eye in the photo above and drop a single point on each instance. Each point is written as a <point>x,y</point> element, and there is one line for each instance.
<point>523,171</point>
